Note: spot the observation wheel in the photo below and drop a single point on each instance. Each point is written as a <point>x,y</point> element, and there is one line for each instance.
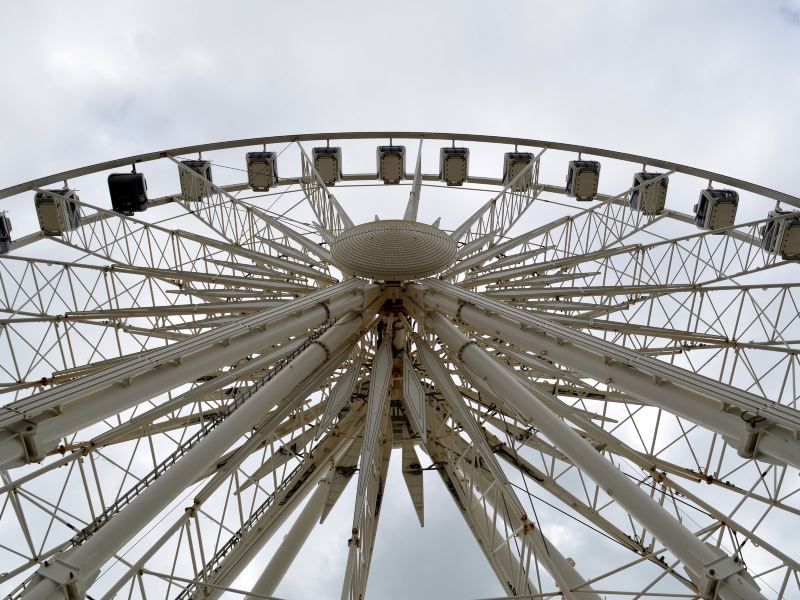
<point>594,355</point>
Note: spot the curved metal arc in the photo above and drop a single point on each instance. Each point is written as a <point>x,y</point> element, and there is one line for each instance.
<point>558,339</point>
<point>504,140</point>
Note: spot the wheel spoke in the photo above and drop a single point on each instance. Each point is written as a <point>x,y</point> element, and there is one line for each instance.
<point>608,392</point>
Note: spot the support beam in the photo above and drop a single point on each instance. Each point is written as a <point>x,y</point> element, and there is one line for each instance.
<point>412,208</point>
<point>136,426</point>
<point>503,559</point>
<point>462,415</point>
<point>412,475</point>
<point>341,394</point>
<point>240,223</point>
<point>715,576</point>
<point>571,583</point>
<point>504,210</point>
<point>477,260</point>
<point>34,425</point>
<point>486,476</point>
<point>88,558</point>
<point>414,397</point>
<point>294,236</point>
<point>330,215</point>
<point>291,544</point>
<point>227,565</point>
<point>355,583</point>
<point>713,405</point>
<point>375,454</point>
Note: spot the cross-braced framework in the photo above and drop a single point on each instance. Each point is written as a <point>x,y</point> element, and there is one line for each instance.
<point>180,384</point>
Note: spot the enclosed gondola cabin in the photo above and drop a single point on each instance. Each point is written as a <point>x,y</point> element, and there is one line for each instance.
<point>716,209</point>
<point>195,176</point>
<point>513,164</point>
<point>781,234</point>
<point>128,192</point>
<point>57,211</point>
<point>583,179</point>
<point>454,165</point>
<point>262,170</point>
<point>391,163</point>
<point>649,193</point>
<point>328,163</point>
<point>5,233</point>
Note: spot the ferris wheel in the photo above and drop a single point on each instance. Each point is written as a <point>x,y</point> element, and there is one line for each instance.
<point>190,368</point>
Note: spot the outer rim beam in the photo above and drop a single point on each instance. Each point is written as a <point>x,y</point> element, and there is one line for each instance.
<point>258,141</point>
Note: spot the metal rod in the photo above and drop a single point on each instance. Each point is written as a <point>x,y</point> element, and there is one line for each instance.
<point>89,557</point>
<point>695,555</point>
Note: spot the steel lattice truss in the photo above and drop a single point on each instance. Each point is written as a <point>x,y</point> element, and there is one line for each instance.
<point>179,385</point>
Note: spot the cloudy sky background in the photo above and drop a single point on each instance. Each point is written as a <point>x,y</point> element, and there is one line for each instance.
<point>715,85</point>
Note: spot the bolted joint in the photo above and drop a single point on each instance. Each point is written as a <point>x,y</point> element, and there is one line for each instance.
<point>461,305</point>
<point>722,570</point>
<point>324,348</point>
<point>354,540</point>
<point>460,352</point>
<point>748,443</point>
<point>716,572</point>
<point>327,308</point>
<point>70,579</point>
<point>28,434</point>
<point>527,526</point>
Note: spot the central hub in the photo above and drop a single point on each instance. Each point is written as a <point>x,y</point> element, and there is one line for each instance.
<point>393,250</point>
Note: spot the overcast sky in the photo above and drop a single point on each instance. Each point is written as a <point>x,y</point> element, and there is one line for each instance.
<point>713,84</point>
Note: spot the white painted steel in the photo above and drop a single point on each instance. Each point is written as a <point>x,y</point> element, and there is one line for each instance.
<point>379,135</point>
<point>560,365</point>
<point>393,250</point>
<point>695,555</point>
<point>291,544</point>
<point>91,399</point>
<point>91,555</point>
<point>699,402</point>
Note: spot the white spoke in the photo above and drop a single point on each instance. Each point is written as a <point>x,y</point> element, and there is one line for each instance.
<point>606,390</point>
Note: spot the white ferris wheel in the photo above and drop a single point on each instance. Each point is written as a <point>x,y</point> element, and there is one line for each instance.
<point>187,370</point>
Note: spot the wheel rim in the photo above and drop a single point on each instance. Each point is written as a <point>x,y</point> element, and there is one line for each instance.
<point>693,398</point>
